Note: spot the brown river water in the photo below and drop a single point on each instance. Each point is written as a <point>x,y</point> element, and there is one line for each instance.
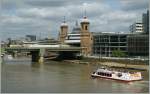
<point>62,77</point>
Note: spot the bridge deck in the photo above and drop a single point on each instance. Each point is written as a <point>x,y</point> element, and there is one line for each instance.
<point>46,48</point>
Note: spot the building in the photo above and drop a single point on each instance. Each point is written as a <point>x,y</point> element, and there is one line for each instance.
<point>47,41</point>
<point>74,38</point>
<point>138,45</point>
<point>86,37</point>
<point>30,37</point>
<point>63,31</point>
<point>145,20</point>
<point>136,28</point>
<point>80,36</point>
<point>104,43</point>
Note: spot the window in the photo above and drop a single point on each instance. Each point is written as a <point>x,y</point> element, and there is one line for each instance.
<point>86,28</point>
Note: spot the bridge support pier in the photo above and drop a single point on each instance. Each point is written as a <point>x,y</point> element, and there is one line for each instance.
<point>41,59</point>
<point>38,56</point>
<point>35,56</point>
<point>41,55</point>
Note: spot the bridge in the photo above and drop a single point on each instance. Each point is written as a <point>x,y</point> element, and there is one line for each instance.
<point>37,51</point>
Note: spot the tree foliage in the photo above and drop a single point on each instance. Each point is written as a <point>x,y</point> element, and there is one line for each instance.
<point>118,53</point>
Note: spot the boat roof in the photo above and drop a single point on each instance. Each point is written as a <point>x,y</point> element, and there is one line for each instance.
<point>104,70</point>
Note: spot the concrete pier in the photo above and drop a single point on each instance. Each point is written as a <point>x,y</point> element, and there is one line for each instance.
<point>35,56</point>
<point>38,56</point>
<point>41,55</point>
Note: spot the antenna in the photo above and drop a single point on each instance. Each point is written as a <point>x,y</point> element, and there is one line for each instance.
<point>76,22</point>
<point>85,12</point>
<point>49,36</point>
<point>64,19</point>
<point>40,36</point>
<point>84,7</point>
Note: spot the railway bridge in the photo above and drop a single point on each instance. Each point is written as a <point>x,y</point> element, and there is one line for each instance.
<point>37,51</point>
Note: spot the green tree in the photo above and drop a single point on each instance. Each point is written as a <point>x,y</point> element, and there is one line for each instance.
<point>118,53</point>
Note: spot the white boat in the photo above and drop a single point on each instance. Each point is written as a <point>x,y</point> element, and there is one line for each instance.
<point>117,75</point>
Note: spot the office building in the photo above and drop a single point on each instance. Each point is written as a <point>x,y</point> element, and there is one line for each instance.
<point>138,45</point>
<point>104,43</point>
<point>30,37</point>
<point>145,20</point>
<point>136,28</point>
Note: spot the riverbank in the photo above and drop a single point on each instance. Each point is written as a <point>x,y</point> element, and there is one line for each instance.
<point>136,65</point>
<point>127,66</point>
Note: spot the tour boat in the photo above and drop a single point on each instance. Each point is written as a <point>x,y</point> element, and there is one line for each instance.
<point>117,75</point>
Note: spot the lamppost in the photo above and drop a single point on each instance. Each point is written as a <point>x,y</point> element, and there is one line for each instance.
<point>99,52</point>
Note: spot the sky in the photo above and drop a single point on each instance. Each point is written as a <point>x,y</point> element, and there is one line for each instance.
<point>43,17</point>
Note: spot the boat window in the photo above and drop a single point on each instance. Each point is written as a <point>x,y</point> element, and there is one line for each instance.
<point>119,74</point>
<point>100,73</point>
<point>104,74</point>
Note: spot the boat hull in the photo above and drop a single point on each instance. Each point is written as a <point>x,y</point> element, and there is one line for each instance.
<point>98,76</point>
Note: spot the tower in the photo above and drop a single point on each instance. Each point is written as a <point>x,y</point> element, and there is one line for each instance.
<point>86,37</point>
<point>63,31</point>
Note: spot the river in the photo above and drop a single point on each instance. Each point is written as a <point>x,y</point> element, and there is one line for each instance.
<point>62,77</point>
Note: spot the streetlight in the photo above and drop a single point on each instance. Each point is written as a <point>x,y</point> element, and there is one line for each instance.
<point>99,52</point>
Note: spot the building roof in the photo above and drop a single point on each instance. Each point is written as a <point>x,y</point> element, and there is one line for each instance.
<point>64,24</point>
<point>72,41</point>
<point>76,28</point>
<point>85,20</point>
<point>109,33</point>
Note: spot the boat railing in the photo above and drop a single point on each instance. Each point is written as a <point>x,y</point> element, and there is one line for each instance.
<point>115,70</point>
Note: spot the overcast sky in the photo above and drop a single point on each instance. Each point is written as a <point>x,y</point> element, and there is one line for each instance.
<point>43,17</point>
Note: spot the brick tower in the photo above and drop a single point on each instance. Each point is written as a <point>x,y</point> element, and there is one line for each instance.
<point>63,31</point>
<point>86,37</point>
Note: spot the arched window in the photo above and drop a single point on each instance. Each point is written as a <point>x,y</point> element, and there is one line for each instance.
<point>86,27</point>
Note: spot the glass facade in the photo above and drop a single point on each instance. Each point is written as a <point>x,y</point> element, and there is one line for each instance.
<point>138,45</point>
<point>105,43</point>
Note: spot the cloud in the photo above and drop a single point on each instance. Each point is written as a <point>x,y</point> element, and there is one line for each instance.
<point>134,4</point>
<point>21,17</point>
<point>46,3</point>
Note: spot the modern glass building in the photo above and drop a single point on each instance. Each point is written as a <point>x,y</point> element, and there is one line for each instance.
<point>138,45</point>
<point>130,44</point>
<point>105,43</point>
<point>145,20</point>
